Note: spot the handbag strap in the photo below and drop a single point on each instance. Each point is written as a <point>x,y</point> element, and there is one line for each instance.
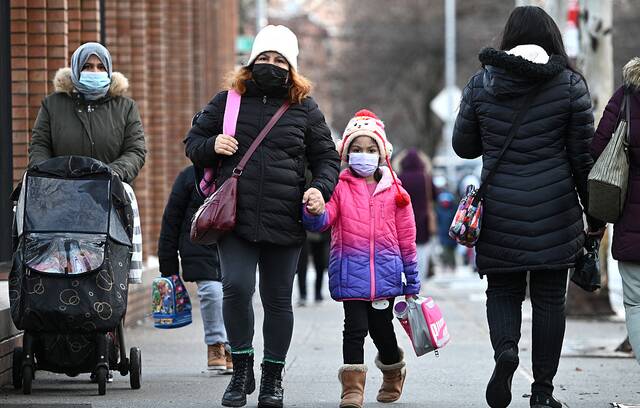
<point>510,136</point>
<point>627,109</point>
<point>237,171</point>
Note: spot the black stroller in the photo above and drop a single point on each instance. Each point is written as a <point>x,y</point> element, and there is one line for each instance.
<point>69,281</point>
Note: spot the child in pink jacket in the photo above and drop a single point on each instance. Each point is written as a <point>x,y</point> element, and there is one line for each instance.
<point>373,255</point>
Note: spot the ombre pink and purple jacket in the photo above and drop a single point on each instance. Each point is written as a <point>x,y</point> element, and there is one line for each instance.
<point>373,249</point>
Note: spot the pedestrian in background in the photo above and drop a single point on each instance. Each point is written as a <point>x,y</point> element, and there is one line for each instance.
<point>199,263</point>
<point>373,256</point>
<point>415,174</point>
<point>532,221</point>
<point>268,232</point>
<point>445,212</point>
<point>626,232</point>
<point>315,246</point>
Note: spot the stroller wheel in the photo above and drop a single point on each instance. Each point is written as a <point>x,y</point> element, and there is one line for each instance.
<point>16,368</point>
<point>135,368</point>
<point>27,378</point>
<point>101,379</point>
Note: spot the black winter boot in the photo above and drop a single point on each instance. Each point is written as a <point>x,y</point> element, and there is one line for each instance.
<point>499,388</point>
<point>543,400</point>
<point>242,382</point>
<point>271,391</point>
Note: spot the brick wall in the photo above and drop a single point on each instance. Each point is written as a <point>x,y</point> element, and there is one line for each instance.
<point>44,33</point>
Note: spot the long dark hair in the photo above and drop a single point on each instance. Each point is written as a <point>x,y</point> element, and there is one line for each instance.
<point>532,25</point>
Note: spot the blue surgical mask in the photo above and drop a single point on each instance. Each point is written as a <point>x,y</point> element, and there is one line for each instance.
<point>93,85</point>
<point>364,164</point>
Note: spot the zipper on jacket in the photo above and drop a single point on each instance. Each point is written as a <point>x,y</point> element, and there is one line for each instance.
<point>261,178</point>
<point>93,145</point>
<point>259,209</point>
<point>372,246</point>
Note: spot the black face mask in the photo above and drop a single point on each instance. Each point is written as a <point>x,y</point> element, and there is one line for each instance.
<point>270,78</point>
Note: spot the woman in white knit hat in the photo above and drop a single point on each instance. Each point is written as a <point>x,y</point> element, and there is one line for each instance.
<point>271,188</point>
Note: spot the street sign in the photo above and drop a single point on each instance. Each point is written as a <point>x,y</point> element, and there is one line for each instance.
<point>244,44</point>
<point>446,103</point>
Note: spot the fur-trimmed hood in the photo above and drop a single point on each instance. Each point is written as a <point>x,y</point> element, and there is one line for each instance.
<point>508,75</point>
<point>520,66</point>
<point>62,83</point>
<point>631,73</point>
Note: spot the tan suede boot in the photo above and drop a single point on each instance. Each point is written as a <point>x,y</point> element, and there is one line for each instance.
<point>393,376</point>
<point>215,357</point>
<point>352,377</point>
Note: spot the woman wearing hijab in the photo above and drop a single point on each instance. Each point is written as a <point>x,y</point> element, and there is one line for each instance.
<point>271,191</point>
<point>88,115</point>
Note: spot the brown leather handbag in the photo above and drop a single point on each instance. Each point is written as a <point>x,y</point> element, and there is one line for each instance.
<point>217,215</point>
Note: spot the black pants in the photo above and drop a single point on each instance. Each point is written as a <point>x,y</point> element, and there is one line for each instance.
<point>505,294</point>
<point>359,318</point>
<point>238,261</point>
<point>319,251</point>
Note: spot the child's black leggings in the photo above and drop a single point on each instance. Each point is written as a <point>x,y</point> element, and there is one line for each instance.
<point>361,318</point>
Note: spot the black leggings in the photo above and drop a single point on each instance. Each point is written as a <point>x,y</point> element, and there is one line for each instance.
<point>505,294</point>
<point>319,251</point>
<point>238,261</point>
<point>359,318</point>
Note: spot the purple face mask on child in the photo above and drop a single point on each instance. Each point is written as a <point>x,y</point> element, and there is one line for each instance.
<point>364,164</point>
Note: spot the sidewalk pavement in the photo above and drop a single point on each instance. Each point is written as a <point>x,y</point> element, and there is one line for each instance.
<point>174,361</point>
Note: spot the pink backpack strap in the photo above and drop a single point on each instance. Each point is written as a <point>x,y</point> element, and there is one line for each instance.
<point>231,110</point>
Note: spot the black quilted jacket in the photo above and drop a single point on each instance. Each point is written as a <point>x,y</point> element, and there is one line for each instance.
<point>199,262</point>
<point>271,186</point>
<point>533,218</point>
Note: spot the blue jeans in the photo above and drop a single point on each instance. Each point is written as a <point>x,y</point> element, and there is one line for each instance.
<point>210,295</point>
<point>630,273</point>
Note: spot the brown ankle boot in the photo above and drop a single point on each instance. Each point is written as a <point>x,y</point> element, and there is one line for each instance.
<point>215,357</point>
<point>352,377</point>
<point>393,376</point>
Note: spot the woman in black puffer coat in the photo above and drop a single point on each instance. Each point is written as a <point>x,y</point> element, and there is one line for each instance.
<point>269,231</point>
<point>532,216</point>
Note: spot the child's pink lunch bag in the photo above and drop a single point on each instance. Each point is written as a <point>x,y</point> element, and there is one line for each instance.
<point>422,319</point>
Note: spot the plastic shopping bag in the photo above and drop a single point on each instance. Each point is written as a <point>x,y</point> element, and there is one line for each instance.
<point>422,319</point>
